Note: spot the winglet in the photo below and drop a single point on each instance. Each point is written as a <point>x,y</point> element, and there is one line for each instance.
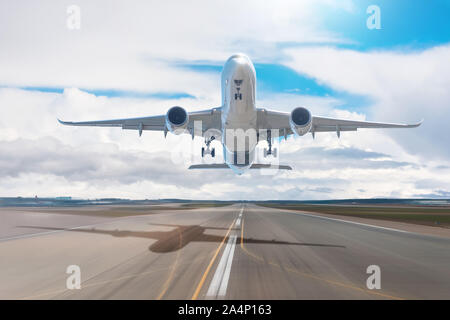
<point>66,123</point>
<point>415,125</point>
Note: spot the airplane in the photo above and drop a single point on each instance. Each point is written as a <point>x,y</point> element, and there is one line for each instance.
<point>238,124</point>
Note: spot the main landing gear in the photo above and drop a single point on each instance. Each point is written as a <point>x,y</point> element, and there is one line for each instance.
<point>268,152</point>
<point>207,150</point>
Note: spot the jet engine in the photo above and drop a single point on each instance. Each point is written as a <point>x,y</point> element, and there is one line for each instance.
<point>177,120</point>
<point>300,121</point>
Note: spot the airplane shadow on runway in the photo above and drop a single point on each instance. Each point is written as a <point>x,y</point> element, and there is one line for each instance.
<point>179,237</point>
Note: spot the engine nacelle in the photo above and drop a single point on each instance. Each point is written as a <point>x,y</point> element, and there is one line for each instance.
<point>300,121</point>
<point>177,120</point>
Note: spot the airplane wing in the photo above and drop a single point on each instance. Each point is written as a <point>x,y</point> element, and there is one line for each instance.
<point>209,119</point>
<point>268,119</point>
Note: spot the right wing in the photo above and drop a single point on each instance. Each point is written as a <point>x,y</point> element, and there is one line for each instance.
<point>268,119</point>
<point>323,124</point>
<point>210,119</point>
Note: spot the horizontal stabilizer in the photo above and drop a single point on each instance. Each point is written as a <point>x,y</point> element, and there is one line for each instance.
<point>225,166</point>
<point>270,166</point>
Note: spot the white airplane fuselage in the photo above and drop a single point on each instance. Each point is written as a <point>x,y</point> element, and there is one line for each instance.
<point>239,114</point>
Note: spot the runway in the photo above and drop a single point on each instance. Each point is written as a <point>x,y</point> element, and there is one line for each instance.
<point>241,251</point>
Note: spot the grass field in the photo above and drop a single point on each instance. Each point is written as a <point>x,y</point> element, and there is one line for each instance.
<point>431,216</point>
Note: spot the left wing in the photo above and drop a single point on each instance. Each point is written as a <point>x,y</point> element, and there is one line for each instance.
<point>209,118</point>
<point>268,119</point>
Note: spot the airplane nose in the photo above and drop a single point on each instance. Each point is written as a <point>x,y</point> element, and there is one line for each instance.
<point>240,67</point>
<point>239,56</point>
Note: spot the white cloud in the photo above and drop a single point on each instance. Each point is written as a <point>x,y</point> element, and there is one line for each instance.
<point>124,45</point>
<point>405,86</point>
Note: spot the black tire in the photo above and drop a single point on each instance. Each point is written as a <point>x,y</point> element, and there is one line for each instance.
<point>203,152</point>
<point>213,152</point>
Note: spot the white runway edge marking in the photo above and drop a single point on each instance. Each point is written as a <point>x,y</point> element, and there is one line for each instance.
<point>353,222</point>
<point>219,283</point>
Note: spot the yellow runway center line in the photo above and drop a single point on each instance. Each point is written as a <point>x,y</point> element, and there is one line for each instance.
<point>205,274</point>
<point>349,286</point>
<point>244,248</point>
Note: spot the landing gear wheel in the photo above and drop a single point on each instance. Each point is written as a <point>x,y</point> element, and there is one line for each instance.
<point>209,150</point>
<point>269,152</point>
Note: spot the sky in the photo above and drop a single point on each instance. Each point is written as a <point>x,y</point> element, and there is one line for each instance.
<point>139,58</point>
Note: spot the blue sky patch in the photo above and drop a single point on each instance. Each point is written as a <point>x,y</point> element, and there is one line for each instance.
<point>112,93</point>
<point>405,24</point>
<point>277,78</point>
<point>44,89</point>
<point>273,78</point>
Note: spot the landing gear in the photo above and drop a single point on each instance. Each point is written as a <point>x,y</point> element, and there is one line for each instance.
<point>207,150</point>
<point>269,151</point>
<point>238,95</point>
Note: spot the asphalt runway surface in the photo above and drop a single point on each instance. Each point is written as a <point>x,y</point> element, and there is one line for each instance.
<point>241,251</point>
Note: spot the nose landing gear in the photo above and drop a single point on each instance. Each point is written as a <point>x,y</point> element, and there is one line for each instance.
<point>268,152</point>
